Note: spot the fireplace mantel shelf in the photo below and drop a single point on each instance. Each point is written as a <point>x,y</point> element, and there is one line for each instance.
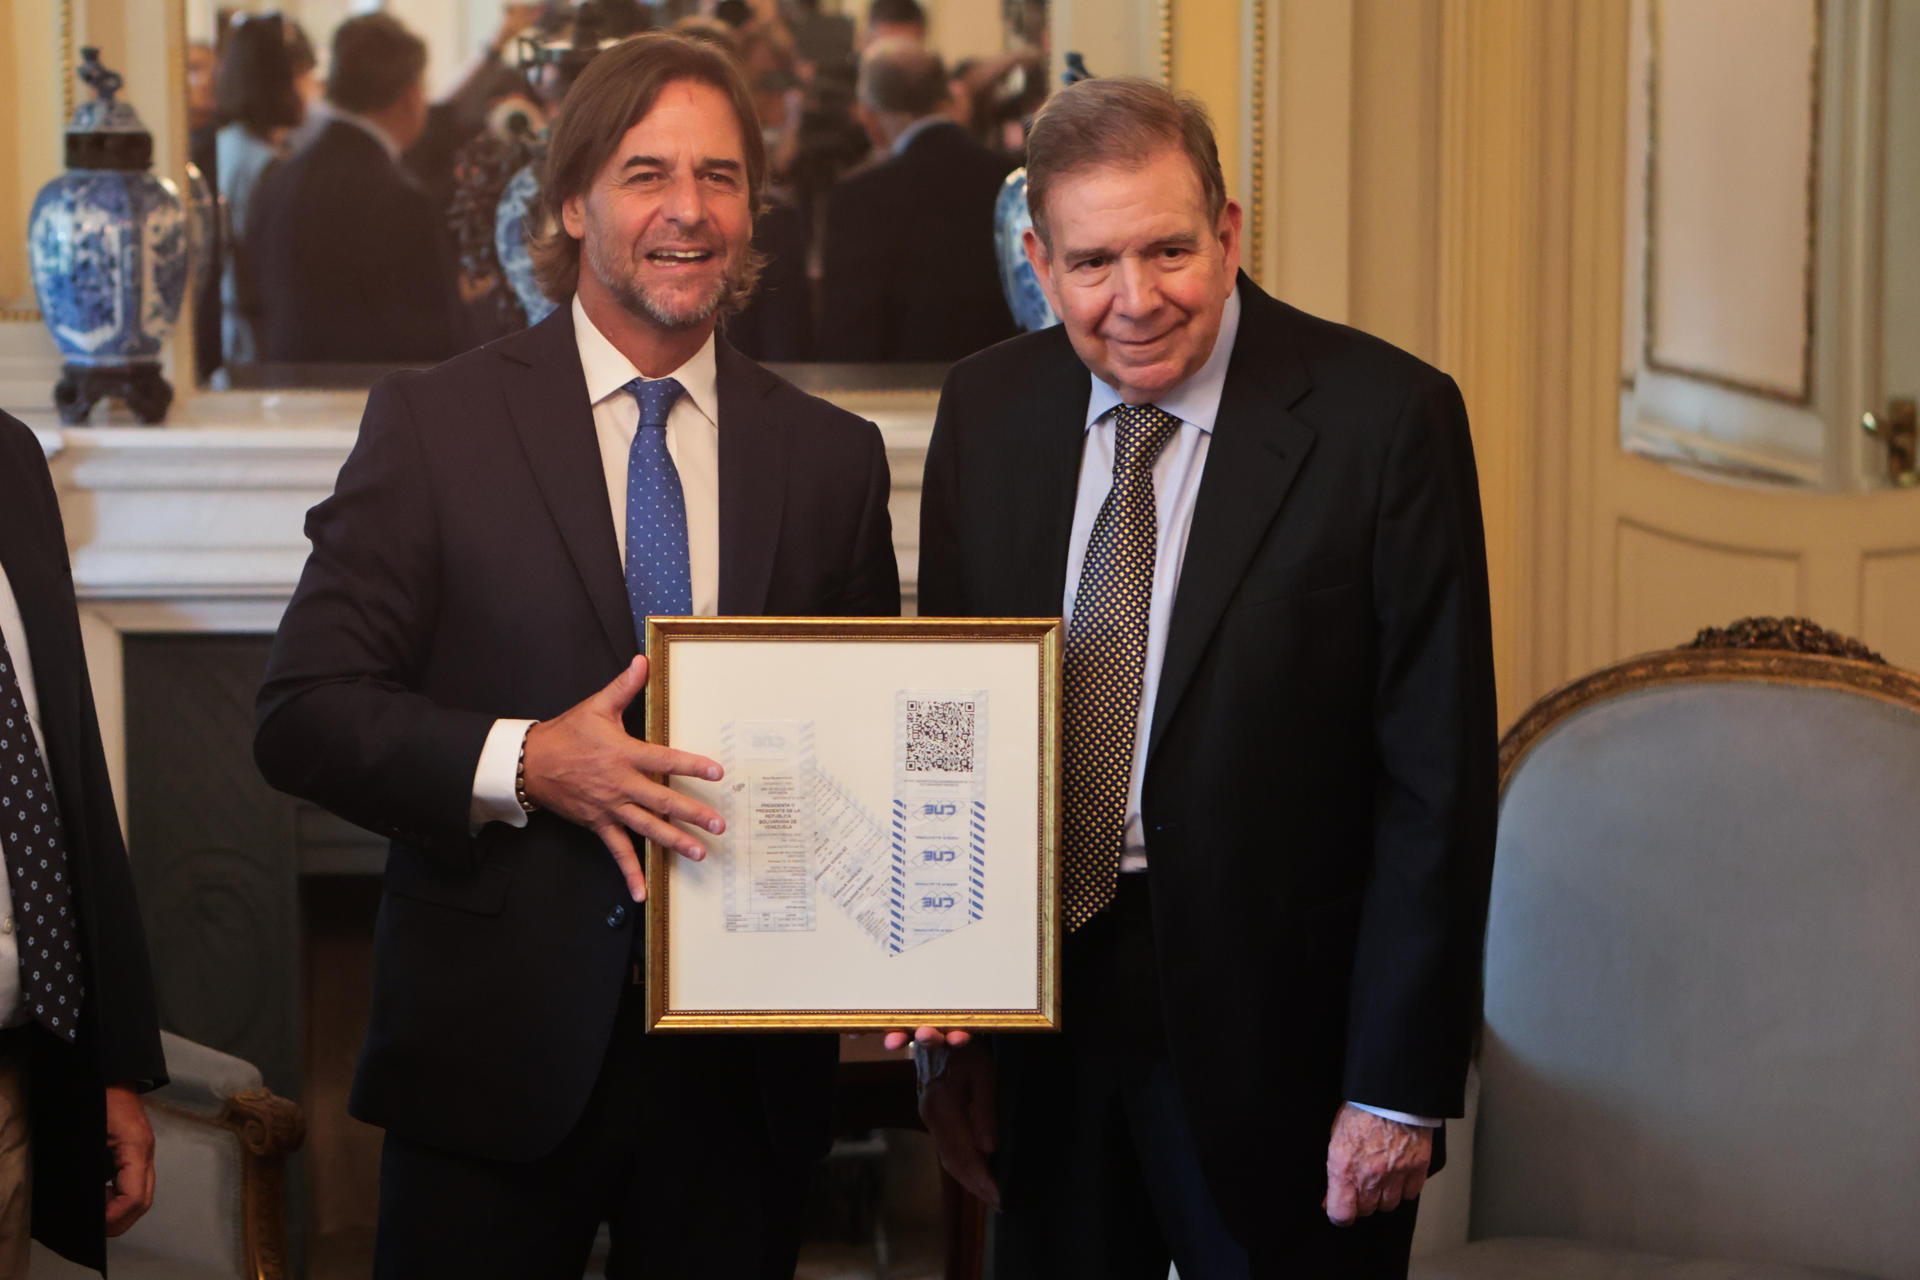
<point>208,510</point>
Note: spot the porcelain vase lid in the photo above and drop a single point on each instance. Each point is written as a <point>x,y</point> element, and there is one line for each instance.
<point>106,133</point>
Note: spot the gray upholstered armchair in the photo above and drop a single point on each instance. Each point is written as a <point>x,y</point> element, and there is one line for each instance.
<point>1701,1052</point>
<point>220,1145</point>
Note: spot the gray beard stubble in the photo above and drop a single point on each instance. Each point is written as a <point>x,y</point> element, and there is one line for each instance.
<point>639,302</point>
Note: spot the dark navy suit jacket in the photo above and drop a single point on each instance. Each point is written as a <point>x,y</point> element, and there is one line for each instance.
<point>465,569</point>
<point>1320,784</point>
<point>353,263</point>
<point>908,269</point>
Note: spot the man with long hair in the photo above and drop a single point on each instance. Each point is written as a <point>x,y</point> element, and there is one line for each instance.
<point>458,670</point>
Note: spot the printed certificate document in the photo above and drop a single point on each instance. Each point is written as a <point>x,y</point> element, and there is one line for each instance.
<point>890,792</point>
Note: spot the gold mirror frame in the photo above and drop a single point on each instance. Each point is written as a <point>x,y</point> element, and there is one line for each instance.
<point>25,310</point>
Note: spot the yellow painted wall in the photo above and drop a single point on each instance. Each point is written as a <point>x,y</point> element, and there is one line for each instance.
<point>1207,62</point>
<point>1393,275</point>
<point>30,145</point>
<point>965,28</point>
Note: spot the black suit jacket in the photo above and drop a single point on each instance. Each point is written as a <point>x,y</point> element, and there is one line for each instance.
<point>119,1041</point>
<point>908,268</point>
<point>352,262</point>
<point>1320,786</point>
<point>464,569</point>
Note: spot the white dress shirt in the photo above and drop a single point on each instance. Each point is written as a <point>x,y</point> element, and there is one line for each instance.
<point>14,628</point>
<point>1176,490</point>
<point>693,442</point>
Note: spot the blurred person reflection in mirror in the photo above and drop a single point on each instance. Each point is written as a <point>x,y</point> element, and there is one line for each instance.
<point>908,267</point>
<point>259,102</point>
<point>894,20</point>
<point>354,263</point>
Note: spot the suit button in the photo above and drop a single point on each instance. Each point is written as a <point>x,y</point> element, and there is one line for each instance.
<point>616,917</point>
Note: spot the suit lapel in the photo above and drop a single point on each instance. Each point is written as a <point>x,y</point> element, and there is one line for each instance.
<point>1054,436</point>
<point>754,448</point>
<point>1256,452</point>
<point>547,399</point>
<point>51,649</point>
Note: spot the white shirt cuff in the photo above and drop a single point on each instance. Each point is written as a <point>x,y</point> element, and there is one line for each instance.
<point>493,778</point>
<point>1424,1122</point>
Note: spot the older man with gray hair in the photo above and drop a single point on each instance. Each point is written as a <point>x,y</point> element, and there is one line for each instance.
<point>909,270</point>
<point>1278,750</point>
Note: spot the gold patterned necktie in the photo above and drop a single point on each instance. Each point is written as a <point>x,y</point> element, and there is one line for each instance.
<point>1106,654</point>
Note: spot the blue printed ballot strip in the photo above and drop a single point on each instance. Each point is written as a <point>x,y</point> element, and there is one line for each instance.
<point>889,854</point>
<point>939,833</point>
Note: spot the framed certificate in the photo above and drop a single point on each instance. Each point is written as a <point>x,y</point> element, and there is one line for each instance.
<point>891,794</point>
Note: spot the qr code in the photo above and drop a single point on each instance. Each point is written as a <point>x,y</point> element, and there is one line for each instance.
<point>939,737</point>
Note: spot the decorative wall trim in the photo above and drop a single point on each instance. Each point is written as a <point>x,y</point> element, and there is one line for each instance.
<point>1803,394</point>
<point>1503,263</point>
<point>1166,41</point>
<point>67,54</point>
<point>31,314</point>
<point>1690,451</point>
<point>1257,145</point>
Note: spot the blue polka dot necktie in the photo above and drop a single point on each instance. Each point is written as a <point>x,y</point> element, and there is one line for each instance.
<point>1106,654</point>
<point>36,854</point>
<point>659,581</point>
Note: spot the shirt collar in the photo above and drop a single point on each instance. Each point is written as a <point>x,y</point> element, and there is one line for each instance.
<point>1197,400</point>
<point>914,130</point>
<point>367,127</point>
<point>608,371</point>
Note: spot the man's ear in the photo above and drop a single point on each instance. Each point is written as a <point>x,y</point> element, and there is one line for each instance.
<point>1042,263</point>
<point>573,218</point>
<point>1229,232</point>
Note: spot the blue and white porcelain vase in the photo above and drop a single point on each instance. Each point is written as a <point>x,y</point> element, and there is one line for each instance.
<point>1011,219</point>
<point>107,241</point>
<point>510,242</point>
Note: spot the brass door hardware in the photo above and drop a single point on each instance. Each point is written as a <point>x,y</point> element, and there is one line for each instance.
<point>1901,433</point>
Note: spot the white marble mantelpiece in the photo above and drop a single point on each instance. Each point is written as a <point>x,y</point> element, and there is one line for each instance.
<point>196,525</point>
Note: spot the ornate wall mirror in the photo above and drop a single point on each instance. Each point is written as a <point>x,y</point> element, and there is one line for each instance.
<point>255,76</point>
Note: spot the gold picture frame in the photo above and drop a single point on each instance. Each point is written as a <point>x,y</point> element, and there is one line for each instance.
<point>813,914</point>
